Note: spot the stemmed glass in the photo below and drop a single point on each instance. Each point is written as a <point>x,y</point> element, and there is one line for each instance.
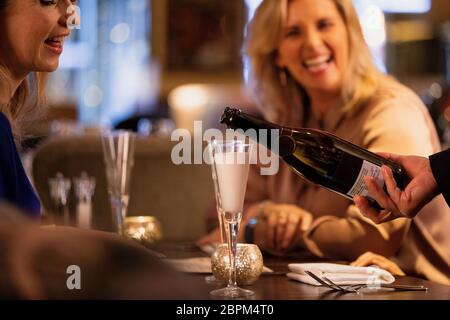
<point>222,229</point>
<point>59,192</point>
<point>231,162</point>
<point>84,190</point>
<point>118,152</point>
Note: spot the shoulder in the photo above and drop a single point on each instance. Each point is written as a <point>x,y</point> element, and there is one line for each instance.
<point>397,101</point>
<point>397,119</point>
<point>391,94</point>
<point>6,135</point>
<point>5,126</point>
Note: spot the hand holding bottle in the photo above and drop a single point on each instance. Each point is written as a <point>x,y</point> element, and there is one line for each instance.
<point>399,203</point>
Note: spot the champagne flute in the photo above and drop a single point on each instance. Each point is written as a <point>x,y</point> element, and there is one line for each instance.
<point>231,161</point>
<point>222,229</point>
<point>118,152</point>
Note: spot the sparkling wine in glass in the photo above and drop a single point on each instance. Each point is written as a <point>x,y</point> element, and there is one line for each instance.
<point>222,227</point>
<point>118,152</point>
<point>231,161</point>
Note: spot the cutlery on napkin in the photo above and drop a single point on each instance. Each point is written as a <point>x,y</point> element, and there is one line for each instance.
<point>340,274</point>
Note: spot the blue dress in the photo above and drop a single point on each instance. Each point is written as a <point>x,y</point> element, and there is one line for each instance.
<point>15,187</point>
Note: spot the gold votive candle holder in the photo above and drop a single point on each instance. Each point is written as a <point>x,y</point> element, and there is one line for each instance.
<point>249,263</point>
<point>144,229</point>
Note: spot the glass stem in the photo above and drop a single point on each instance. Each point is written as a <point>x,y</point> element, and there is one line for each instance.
<point>119,207</point>
<point>232,244</point>
<point>222,226</point>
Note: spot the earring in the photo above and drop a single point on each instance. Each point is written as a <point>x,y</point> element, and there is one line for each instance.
<point>283,77</point>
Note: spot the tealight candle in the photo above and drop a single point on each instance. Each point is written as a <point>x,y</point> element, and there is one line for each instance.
<point>249,263</point>
<point>142,228</point>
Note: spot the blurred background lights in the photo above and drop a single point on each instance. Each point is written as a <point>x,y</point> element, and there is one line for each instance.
<point>93,96</point>
<point>137,5</point>
<point>120,33</point>
<point>405,6</point>
<point>189,97</point>
<point>435,90</point>
<point>447,113</point>
<point>373,25</point>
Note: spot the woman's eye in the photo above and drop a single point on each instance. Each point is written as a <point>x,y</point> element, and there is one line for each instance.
<point>292,32</point>
<point>49,2</point>
<point>324,24</point>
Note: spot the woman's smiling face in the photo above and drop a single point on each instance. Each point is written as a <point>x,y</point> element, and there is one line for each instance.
<point>314,45</point>
<point>32,34</point>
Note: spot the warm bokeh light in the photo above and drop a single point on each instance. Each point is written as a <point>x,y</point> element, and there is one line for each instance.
<point>373,25</point>
<point>192,96</point>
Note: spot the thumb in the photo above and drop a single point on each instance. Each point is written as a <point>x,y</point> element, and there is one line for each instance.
<point>386,155</point>
<point>306,222</point>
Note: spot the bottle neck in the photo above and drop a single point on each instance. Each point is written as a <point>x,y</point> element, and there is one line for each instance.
<point>264,130</point>
<point>240,120</point>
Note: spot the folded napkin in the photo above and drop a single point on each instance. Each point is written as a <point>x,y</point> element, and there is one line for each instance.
<point>198,265</point>
<point>339,274</point>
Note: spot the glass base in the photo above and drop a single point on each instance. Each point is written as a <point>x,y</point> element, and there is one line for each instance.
<point>232,292</point>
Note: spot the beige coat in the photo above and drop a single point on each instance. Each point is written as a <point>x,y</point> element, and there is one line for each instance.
<point>394,121</point>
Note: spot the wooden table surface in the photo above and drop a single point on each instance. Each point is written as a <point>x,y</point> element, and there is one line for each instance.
<point>278,287</point>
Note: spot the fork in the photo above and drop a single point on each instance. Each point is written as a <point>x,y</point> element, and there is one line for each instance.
<point>330,284</point>
<point>357,287</point>
<point>398,287</point>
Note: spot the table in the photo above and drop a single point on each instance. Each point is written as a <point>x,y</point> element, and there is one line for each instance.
<point>278,287</point>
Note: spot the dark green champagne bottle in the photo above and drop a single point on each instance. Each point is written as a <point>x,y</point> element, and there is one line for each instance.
<point>321,157</point>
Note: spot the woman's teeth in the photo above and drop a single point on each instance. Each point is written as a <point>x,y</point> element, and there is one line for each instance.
<point>55,44</point>
<point>317,64</point>
<point>57,39</point>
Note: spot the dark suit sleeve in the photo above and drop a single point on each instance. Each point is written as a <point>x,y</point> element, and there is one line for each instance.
<point>440,165</point>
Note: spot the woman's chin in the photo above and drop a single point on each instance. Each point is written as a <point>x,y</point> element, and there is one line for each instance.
<point>328,85</point>
<point>47,67</point>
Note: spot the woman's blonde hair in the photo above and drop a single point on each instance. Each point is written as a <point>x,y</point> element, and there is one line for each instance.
<point>284,100</point>
<point>26,105</point>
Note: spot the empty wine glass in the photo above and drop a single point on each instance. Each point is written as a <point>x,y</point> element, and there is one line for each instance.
<point>59,193</point>
<point>231,161</point>
<point>84,189</point>
<point>118,152</point>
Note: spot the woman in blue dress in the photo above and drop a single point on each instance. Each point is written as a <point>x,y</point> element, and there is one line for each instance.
<point>32,34</point>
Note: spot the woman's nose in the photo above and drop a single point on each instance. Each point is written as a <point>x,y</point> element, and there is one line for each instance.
<point>312,39</point>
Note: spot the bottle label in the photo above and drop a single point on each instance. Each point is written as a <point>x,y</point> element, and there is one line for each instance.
<point>368,169</point>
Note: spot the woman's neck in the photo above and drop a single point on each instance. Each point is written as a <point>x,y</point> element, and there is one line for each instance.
<point>321,103</point>
<point>11,84</point>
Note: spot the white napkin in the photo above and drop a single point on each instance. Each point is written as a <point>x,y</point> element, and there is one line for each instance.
<point>198,265</point>
<point>339,274</point>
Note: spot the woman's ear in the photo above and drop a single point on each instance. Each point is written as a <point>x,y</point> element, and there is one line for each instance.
<point>279,60</point>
